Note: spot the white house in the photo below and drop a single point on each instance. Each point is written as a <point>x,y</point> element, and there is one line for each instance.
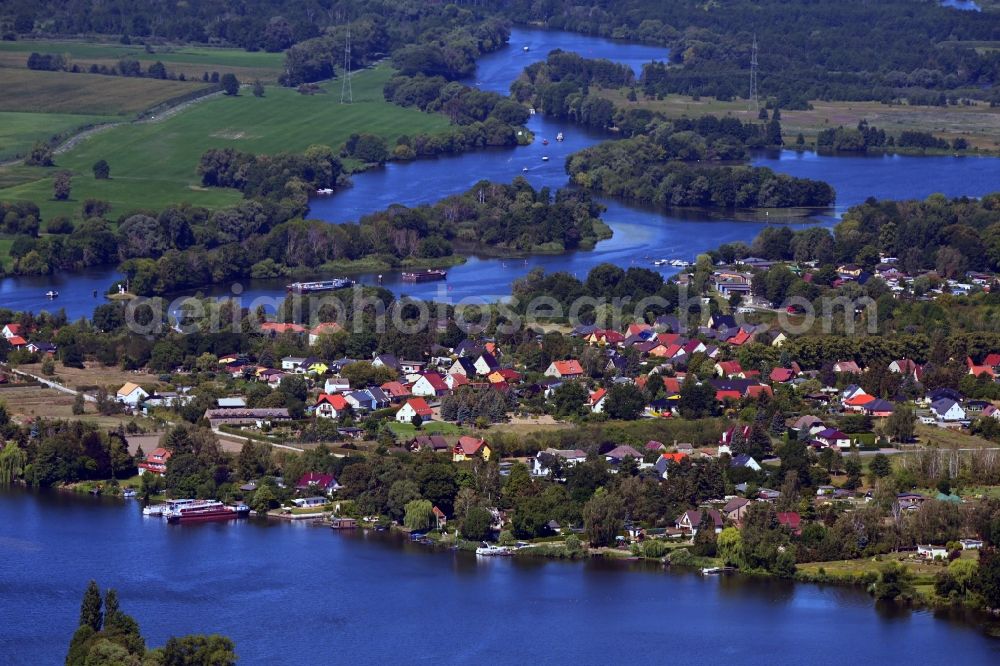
<point>947,409</point>
<point>932,552</point>
<point>336,385</point>
<point>414,407</point>
<point>131,394</point>
<point>542,463</point>
<point>291,362</point>
<point>430,384</point>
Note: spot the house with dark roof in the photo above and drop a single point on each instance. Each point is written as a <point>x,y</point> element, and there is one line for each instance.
<point>689,521</point>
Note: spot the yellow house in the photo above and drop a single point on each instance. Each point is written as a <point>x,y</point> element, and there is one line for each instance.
<point>470,447</point>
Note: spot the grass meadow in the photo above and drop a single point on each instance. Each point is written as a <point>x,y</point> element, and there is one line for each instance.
<point>155,164</point>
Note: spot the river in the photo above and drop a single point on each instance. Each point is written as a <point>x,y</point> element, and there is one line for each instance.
<point>297,594</point>
<point>640,234</point>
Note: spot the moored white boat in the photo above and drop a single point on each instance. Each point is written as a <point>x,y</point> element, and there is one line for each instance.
<point>493,550</point>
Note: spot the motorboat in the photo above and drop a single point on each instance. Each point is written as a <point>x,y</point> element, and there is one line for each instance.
<point>493,550</point>
<point>52,294</point>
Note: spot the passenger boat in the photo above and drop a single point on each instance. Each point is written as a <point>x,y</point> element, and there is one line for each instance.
<point>492,550</point>
<point>559,137</point>
<point>52,294</point>
<point>425,276</point>
<point>202,510</point>
<point>320,285</point>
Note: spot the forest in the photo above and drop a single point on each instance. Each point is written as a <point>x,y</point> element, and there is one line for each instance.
<point>667,169</point>
<point>807,51</point>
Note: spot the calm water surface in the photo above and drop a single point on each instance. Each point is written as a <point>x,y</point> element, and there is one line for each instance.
<point>295,594</point>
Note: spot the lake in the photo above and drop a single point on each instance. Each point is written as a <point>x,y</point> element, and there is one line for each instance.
<point>297,594</point>
<point>640,234</point>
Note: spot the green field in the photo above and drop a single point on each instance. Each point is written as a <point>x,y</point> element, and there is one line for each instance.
<point>428,428</point>
<point>191,61</point>
<point>154,164</point>
<point>62,92</point>
<point>19,130</point>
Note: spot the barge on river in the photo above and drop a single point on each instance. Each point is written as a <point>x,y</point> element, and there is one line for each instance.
<point>321,285</point>
<point>200,511</point>
<point>425,276</point>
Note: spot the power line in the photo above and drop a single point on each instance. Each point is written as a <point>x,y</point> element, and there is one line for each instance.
<point>754,104</point>
<point>346,92</point>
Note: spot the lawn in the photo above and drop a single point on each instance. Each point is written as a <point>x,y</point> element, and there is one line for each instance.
<point>62,92</point>
<point>945,438</point>
<point>430,428</point>
<point>978,124</point>
<point>191,61</point>
<point>155,164</point>
<point>20,130</point>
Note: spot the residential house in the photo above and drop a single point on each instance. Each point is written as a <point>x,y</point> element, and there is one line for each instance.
<point>463,365</point>
<point>948,410</point>
<point>545,461</point>
<point>46,348</point>
<point>396,391</point>
<point>429,384</point>
<point>735,509</point>
<point>564,369</point>
<point>326,328</point>
<point>291,363</point>
<point>878,408</point>
<point>315,481</point>
<point>932,552</point>
<point>155,462</point>
<point>730,369</point>
<point>485,364</point>
<point>662,464</point>
<point>13,331</point>
<point>781,375</point>
<point>596,400</point>
<point>833,438</point>
<point>620,452</point>
<point>744,460</point>
<point>433,443</point>
<point>330,406</point>
<point>470,447</point>
<point>414,407</point>
<point>337,385</point>
<point>791,521</point>
<point>131,394</point>
<point>847,367</point>
<point>689,521</point>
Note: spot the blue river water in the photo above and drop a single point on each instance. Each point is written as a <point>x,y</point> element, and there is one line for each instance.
<point>298,594</point>
<point>640,234</point>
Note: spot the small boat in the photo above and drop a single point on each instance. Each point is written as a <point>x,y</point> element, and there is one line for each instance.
<point>492,550</point>
<point>526,48</point>
<point>324,191</point>
<point>52,294</point>
<point>545,142</point>
<point>559,137</point>
<point>545,158</point>
<point>523,169</point>
<point>153,510</point>
<point>129,493</point>
<point>709,571</point>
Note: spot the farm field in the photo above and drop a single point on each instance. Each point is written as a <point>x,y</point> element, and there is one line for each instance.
<point>192,61</point>
<point>63,92</point>
<point>978,124</point>
<point>20,130</point>
<point>155,164</point>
